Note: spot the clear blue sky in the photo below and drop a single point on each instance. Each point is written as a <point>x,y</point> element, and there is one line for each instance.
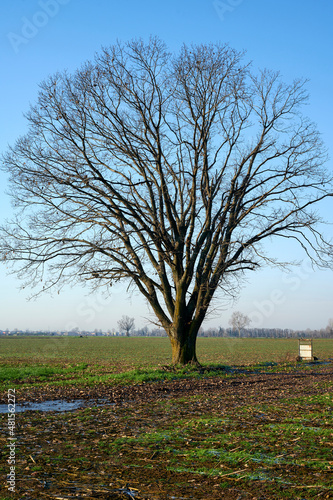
<point>38,38</point>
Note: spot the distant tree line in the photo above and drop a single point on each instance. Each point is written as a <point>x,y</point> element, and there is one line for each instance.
<point>127,329</point>
<point>276,333</point>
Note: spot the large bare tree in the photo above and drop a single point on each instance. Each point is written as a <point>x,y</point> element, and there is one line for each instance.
<point>168,171</point>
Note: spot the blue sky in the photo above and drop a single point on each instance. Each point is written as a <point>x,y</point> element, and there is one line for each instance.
<point>38,38</point>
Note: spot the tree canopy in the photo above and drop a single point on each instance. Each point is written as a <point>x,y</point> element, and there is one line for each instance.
<point>167,171</point>
<point>126,324</point>
<point>239,321</point>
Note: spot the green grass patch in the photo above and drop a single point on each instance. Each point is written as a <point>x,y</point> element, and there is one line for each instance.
<point>37,372</point>
<point>75,372</point>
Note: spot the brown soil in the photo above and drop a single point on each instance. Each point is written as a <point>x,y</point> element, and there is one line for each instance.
<point>137,474</point>
<point>264,385</point>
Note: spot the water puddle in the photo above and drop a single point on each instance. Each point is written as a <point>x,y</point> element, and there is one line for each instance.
<point>59,405</point>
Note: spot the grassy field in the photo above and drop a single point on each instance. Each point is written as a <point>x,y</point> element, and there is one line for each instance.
<point>149,351</point>
<point>75,360</point>
<point>253,424</point>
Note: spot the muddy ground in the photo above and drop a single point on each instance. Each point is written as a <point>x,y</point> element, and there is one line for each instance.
<point>100,452</point>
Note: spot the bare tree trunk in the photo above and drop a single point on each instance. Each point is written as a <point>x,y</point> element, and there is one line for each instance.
<point>184,352</point>
<point>183,344</point>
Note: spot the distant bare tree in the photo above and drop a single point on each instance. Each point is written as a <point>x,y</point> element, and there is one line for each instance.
<point>239,321</point>
<point>126,324</point>
<point>329,327</point>
<point>165,171</point>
